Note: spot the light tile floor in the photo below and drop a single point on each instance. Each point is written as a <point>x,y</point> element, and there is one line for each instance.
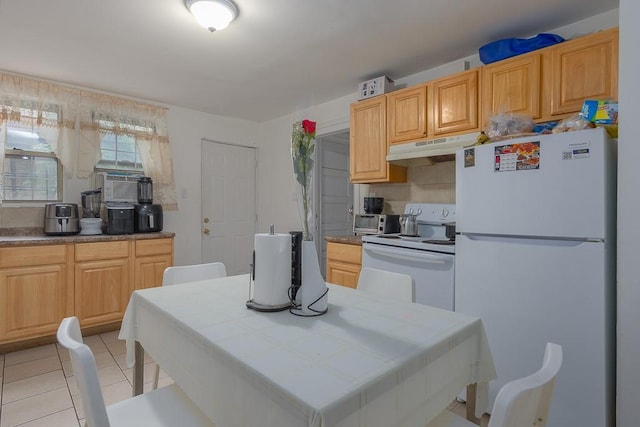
<point>38,389</point>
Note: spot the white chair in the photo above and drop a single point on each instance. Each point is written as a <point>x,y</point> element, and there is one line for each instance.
<point>386,283</point>
<point>168,406</point>
<point>523,402</point>
<point>188,273</point>
<point>193,273</point>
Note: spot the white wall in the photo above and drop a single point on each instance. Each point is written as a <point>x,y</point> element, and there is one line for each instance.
<point>276,185</point>
<point>186,130</point>
<point>628,398</point>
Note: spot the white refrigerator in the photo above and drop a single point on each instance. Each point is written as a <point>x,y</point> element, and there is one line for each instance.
<point>535,259</point>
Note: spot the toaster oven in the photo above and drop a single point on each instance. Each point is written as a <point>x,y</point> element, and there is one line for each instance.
<point>376,224</point>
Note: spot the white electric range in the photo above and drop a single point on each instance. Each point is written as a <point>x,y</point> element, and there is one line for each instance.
<point>427,258</point>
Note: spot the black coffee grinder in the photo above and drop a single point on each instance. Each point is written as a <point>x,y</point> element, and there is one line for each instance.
<point>147,216</point>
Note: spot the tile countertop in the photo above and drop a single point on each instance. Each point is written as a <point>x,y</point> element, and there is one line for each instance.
<point>349,240</point>
<point>35,236</point>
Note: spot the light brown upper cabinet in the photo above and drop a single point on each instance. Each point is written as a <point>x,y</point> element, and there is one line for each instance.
<point>368,144</point>
<point>445,106</point>
<point>583,68</point>
<point>407,109</point>
<point>455,103</point>
<point>546,84</point>
<point>512,85</point>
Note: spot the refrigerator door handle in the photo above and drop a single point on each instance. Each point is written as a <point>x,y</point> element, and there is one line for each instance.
<point>408,255</point>
<point>527,240</point>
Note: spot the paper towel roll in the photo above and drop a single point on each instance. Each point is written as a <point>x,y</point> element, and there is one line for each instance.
<point>272,269</point>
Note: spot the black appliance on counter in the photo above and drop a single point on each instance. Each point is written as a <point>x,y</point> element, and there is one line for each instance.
<point>296,263</point>
<point>373,205</point>
<point>147,217</point>
<point>119,218</point>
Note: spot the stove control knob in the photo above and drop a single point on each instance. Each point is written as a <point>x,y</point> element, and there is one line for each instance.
<point>445,212</point>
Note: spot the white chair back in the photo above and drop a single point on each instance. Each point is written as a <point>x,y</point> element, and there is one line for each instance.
<point>526,401</point>
<point>193,273</point>
<point>85,372</point>
<point>389,284</point>
<point>522,402</point>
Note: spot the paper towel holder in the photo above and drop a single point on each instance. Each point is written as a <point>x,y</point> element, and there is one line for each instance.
<point>254,305</point>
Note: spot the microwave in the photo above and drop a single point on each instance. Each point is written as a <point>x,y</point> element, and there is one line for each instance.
<point>118,187</point>
<point>376,224</point>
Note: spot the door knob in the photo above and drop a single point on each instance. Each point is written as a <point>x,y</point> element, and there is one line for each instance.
<point>206,220</point>
<point>206,231</point>
<point>350,210</point>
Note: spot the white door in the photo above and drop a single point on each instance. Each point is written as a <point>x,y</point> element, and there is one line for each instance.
<point>228,205</point>
<point>335,190</point>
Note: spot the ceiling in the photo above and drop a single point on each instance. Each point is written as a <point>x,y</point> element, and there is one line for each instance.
<point>277,57</point>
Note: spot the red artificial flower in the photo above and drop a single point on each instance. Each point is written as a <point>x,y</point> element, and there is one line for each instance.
<point>309,127</point>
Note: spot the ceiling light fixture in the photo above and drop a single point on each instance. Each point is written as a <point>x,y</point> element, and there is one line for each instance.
<point>215,15</point>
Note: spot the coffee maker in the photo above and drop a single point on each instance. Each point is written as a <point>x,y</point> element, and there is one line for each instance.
<point>147,217</point>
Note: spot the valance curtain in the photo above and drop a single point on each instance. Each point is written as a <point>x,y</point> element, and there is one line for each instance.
<point>80,117</point>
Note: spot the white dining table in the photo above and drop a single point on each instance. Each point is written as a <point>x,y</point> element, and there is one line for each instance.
<point>369,361</point>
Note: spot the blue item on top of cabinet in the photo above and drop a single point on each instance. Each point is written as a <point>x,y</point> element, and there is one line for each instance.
<point>506,48</point>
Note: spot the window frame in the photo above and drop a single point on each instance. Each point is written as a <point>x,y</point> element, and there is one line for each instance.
<point>108,126</point>
<point>9,152</point>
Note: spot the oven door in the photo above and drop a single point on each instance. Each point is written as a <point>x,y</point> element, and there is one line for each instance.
<point>432,272</point>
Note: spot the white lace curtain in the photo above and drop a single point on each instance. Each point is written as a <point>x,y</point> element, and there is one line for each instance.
<point>80,116</point>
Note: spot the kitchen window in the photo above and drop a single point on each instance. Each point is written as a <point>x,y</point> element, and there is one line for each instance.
<point>119,152</point>
<point>86,130</point>
<point>31,172</point>
<point>31,176</point>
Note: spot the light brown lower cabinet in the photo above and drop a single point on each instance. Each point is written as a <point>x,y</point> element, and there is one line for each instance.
<point>152,258</point>
<point>40,285</point>
<point>103,281</point>
<point>36,290</point>
<point>344,262</point>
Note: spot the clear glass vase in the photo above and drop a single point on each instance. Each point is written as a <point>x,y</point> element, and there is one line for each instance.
<point>304,197</point>
<point>303,156</point>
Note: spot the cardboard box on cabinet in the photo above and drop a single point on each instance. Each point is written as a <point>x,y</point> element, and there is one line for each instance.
<point>374,87</point>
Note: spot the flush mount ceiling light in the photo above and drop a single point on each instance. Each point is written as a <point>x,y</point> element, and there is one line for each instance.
<point>214,15</point>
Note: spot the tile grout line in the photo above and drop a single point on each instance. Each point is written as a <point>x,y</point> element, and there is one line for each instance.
<point>35,394</point>
<point>66,381</point>
<point>110,348</point>
<point>113,356</point>
<point>39,418</point>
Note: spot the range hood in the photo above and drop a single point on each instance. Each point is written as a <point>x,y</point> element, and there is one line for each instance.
<point>431,147</point>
